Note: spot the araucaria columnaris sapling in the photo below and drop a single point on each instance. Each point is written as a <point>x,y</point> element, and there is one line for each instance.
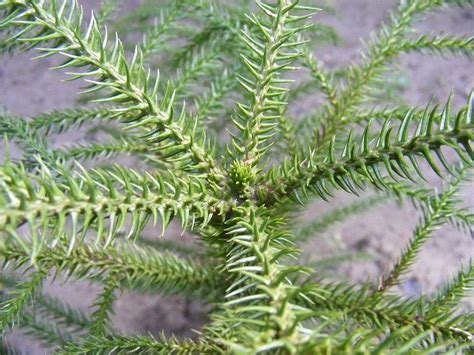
<point>202,106</point>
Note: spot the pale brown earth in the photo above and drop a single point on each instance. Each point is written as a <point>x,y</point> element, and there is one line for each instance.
<point>28,88</point>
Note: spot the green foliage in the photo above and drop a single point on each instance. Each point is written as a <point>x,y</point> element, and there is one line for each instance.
<point>146,345</point>
<point>137,267</point>
<point>12,308</point>
<point>337,215</point>
<point>439,209</point>
<point>74,212</point>
<point>48,319</point>
<point>267,58</point>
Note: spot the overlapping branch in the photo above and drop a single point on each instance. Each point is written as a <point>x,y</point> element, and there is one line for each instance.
<point>360,160</point>
<point>60,26</point>
<point>103,200</point>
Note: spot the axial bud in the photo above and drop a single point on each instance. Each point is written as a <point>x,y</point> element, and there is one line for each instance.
<point>242,176</point>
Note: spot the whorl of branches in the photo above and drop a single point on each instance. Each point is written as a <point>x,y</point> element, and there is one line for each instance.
<point>68,212</point>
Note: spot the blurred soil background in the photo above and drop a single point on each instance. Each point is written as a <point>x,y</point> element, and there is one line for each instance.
<point>28,88</point>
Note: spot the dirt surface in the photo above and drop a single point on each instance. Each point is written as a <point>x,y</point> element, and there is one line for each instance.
<point>28,88</point>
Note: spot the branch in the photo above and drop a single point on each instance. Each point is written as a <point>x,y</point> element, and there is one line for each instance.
<point>52,309</point>
<point>141,344</point>
<point>446,301</point>
<point>100,318</point>
<point>101,197</point>
<point>440,45</point>
<point>360,161</point>
<point>112,72</point>
<point>57,122</point>
<point>138,267</point>
<point>378,313</point>
<point>268,57</point>
<point>337,215</point>
<point>323,79</point>
<point>50,334</point>
<point>13,308</point>
<point>439,209</point>
<point>108,8</point>
<point>259,314</point>
<point>158,33</point>
<point>92,151</point>
<point>381,50</point>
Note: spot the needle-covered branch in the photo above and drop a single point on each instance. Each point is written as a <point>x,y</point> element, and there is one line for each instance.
<point>50,308</point>
<point>322,223</point>
<point>104,303</point>
<point>260,297</point>
<point>441,45</point>
<point>40,24</point>
<point>139,268</point>
<point>349,304</point>
<point>13,308</point>
<point>269,55</point>
<point>363,79</point>
<point>102,200</point>
<point>439,209</point>
<point>361,160</point>
<point>141,344</point>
